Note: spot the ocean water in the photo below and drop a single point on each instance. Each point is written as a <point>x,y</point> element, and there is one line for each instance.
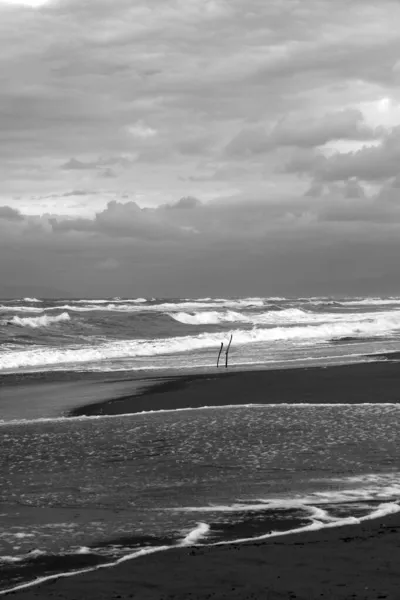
<point>142,334</point>
<point>87,492</point>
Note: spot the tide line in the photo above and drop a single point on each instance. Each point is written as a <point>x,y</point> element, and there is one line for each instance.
<point>200,531</point>
<point>193,408</point>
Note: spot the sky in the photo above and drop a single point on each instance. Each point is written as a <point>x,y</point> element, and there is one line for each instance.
<point>199,147</point>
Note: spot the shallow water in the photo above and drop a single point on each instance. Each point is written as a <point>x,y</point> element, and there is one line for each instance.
<point>113,485</point>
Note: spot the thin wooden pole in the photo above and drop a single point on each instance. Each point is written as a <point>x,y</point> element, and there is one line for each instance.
<point>220,350</point>
<point>227,352</point>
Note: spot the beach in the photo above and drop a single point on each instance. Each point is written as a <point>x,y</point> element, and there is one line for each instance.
<point>350,562</point>
<point>357,561</point>
<point>373,382</point>
<point>200,300</point>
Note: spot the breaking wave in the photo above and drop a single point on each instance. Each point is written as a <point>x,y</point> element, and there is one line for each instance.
<point>114,300</point>
<point>370,301</point>
<point>141,304</point>
<point>228,316</point>
<point>28,309</point>
<point>35,322</point>
<point>288,316</point>
<point>121,349</point>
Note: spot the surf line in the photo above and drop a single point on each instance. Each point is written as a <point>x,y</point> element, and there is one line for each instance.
<point>142,413</point>
<point>192,540</point>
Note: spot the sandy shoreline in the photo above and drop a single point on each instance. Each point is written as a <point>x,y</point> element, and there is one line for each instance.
<point>373,382</point>
<point>356,561</point>
<point>350,562</point>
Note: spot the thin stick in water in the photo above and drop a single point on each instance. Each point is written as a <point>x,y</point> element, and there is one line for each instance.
<point>220,350</point>
<point>227,352</point>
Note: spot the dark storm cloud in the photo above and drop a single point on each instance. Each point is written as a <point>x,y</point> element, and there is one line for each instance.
<point>122,220</point>
<point>246,105</point>
<point>220,246</point>
<point>10,214</point>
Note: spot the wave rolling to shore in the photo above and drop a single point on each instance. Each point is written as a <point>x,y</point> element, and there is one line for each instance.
<point>283,456</point>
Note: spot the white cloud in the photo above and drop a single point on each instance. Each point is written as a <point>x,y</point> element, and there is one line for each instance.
<point>32,3</point>
<point>141,130</point>
<point>383,112</point>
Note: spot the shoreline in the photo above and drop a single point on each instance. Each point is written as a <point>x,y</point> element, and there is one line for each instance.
<point>362,383</point>
<point>341,562</point>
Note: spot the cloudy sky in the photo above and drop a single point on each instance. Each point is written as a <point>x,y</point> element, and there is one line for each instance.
<point>199,147</point>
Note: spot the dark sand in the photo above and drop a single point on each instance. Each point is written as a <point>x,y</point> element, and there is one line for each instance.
<point>352,562</point>
<point>374,382</point>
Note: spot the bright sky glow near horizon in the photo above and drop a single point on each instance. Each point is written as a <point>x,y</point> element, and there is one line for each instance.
<point>176,147</point>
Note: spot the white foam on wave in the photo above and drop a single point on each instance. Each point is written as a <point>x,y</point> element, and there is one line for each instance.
<point>32,300</point>
<point>288,316</point>
<point>107,301</point>
<point>36,322</point>
<point>370,301</point>
<point>208,317</point>
<point>94,307</point>
<point>140,304</point>
<point>385,325</point>
<point>28,309</point>
<point>85,301</point>
<point>197,534</point>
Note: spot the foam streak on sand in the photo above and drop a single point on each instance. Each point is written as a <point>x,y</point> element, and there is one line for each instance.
<point>47,578</point>
<point>382,488</point>
<point>16,422</point>
<point>193,538</point>
<point>382,510</point>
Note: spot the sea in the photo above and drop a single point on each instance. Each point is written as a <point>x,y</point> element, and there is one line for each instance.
<point>79,493</point>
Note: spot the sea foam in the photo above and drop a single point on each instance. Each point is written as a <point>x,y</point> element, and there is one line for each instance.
<point>111,350</point>
<point>36,322</point>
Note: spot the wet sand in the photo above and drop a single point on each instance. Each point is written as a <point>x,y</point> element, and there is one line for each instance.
<point>374,382</point>
<point>351,562</point>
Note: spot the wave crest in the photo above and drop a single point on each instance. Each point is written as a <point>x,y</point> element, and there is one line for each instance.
<point>36,322</point>
<point>273,316</point>
<point>136,348</point>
